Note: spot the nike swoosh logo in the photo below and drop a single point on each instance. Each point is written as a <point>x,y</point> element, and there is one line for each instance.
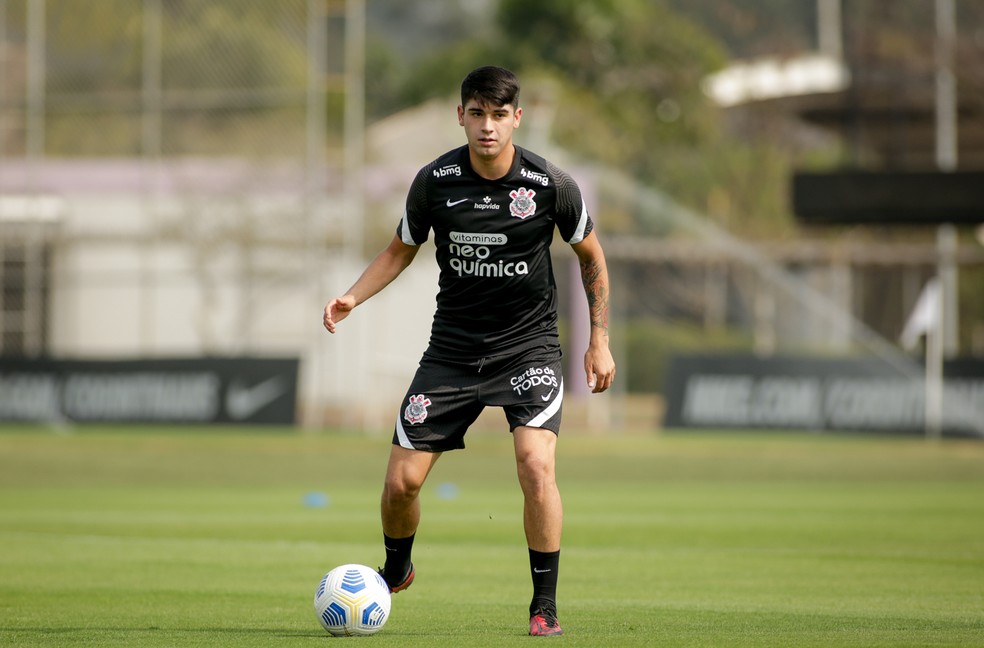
<point>540,571</point>
<point>243,402</point>
<point>547,397</point>
<point>457,202</point>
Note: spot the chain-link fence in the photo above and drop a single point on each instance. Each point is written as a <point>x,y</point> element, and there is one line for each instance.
<point>173,173</point>
<point>146,125</point>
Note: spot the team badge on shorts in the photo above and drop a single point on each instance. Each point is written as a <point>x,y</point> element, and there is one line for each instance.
<point>522,205</point>
<point>416,411</point>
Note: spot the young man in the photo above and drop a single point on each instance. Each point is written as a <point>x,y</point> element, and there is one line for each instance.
<point>493,208</point>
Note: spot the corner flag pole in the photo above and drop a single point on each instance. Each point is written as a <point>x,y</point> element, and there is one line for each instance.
<point>934,367</point>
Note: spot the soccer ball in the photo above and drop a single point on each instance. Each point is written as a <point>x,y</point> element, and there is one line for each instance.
<point>352,600</point>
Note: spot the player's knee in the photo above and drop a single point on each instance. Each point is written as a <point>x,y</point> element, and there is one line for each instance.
<point>536,472</point>
<point>399,489</point>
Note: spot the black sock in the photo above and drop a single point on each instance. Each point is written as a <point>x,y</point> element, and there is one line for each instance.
<point>397,564</point>
<point>543,569</point>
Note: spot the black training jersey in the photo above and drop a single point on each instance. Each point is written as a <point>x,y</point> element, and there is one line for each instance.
<point>497,290</point>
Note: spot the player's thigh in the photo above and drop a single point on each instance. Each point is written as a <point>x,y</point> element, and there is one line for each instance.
<point>408,469</point>
<point>536,451</point>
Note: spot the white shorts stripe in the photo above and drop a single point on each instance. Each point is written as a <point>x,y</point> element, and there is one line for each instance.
<point>401,434</point>
<point>547,414</point>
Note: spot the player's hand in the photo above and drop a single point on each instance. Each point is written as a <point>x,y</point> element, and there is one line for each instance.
<point>599,367</point>
<point>338,309</point>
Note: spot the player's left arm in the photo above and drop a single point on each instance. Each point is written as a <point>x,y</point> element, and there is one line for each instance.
<point>599,366</point>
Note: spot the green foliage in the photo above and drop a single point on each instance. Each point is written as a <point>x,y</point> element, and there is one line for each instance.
<point>231,74</point>
<point>434,77</point>
<point>752,28</point>
<point>383,79</point>
<point>626,93</point>
<point>93,46</point>
<point>971,287</point>
<point>216,46</point>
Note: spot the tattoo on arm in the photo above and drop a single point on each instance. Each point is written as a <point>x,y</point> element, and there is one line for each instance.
<point>595,281</point>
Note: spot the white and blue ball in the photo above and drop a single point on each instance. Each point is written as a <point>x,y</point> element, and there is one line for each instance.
<point>352,600</point>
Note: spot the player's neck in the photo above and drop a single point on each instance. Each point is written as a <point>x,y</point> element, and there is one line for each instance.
<point>493,168</point>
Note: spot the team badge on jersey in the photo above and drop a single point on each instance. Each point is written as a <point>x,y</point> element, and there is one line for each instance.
<point>416,411</point>
<point>522,205</point>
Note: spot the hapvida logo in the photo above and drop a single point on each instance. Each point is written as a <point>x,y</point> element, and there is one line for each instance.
<point>487,204</point>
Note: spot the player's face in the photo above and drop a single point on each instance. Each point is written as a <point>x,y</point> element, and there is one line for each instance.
<point>489,129</point>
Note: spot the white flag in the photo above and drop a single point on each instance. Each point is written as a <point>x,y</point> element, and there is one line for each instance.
<point>925,316</point>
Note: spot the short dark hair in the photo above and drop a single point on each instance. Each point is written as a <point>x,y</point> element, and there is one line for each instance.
<point>491,85</point>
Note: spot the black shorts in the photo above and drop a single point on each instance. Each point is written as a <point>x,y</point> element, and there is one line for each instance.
<point>446,397</point>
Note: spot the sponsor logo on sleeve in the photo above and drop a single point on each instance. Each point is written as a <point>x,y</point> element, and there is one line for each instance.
<point>535,176</point>
<point>447,170</point>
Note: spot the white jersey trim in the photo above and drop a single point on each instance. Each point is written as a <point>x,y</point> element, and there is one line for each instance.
<point>551,409</point>
<point>582,223</point>
<point>405,230</point>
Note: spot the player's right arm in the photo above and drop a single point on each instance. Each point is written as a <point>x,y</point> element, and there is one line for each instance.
<point>386,267</point>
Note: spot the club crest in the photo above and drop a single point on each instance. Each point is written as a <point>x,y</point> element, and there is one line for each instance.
<point>522,205</point>
<point>416,411</point>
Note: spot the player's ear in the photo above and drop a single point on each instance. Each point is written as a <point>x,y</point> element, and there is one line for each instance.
<point>517,117</point>
<point>461,115</point>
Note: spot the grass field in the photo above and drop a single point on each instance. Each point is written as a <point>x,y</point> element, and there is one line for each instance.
<point>212,537</point>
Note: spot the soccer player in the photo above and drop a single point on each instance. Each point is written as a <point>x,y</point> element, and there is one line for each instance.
<point>493,208</point>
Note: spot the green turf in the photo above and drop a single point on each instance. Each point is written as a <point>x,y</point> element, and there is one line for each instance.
<point>202,537</point>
